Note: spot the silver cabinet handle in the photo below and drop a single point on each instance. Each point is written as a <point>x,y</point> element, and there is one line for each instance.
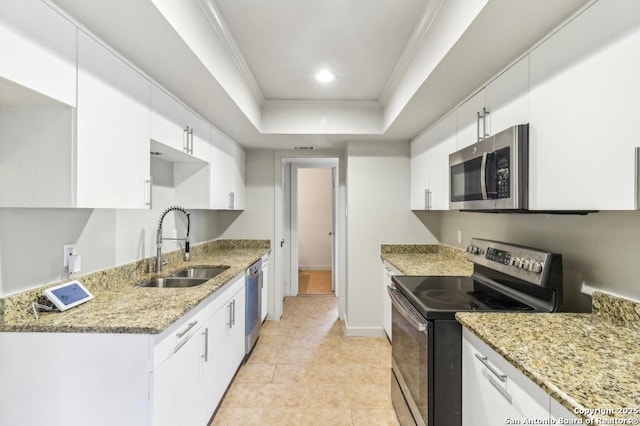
<point>230,323</point>
<point>185,139</point>
<point>483,360</point>
<point>485,115</point>
<point>205,334</point>
<point>148,183</point>
<point>190,141</point>
<point>430,206</point>
<point>637,179</point>
<point>426,199</point>
<point>478,127</point>
<point>233,306</point>
<point>186,330</point>
<point>232,200</point>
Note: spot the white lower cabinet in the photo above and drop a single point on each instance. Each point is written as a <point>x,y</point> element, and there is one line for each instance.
<point>177,377</point>
<point>264,296</point>
<point>177,384</point>
<point>493,390</point>
<point>224,325</point>
<point>387,272</point>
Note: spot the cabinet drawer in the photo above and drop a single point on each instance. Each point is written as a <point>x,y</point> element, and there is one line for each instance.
<point>170,340</point>
<point>222,296</point>
<point>519,391</point>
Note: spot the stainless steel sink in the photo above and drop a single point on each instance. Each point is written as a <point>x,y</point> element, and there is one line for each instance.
<point>174,282</point>
<point>207,272</point>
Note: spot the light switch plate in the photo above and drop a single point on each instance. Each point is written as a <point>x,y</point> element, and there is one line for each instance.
<point>67,250</point>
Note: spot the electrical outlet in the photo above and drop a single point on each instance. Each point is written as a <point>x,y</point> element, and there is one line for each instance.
<point>67,250</point>
<point>459,237</point>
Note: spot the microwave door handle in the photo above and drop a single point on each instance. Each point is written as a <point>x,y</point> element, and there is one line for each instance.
<point>483,175</point>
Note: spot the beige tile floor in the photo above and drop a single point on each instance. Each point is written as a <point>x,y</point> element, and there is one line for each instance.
<point>304,370</point>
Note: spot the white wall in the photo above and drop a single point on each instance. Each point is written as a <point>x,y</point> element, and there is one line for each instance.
<point>31,240</point>
<point>378,212</point>
<point>598,250</point>
<point>315,219</point>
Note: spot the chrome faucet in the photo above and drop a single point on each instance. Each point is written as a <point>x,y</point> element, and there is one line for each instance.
<point>185,253</point>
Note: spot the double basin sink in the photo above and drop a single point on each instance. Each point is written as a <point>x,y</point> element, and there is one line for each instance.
<point>189,277</point>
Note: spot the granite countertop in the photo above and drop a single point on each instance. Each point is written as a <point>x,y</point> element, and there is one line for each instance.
<point>426,259</point>
<point>584,361</point>
<point>121,307</point>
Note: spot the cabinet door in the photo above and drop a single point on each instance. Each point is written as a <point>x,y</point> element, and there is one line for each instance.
<point>507,98</point>
<point>467,120</point>
<point>199,138</point>
<point>444,139</point>
<point>265,290</point>
<point>222,173</point>
<point>39,49</point>
<point>224,322</point>
<point>113,130</point>
<point>168,120</point>
<point>238,156</point>
<point>176,387</point>
<point>584,110</point>
<point>215,378</point>
<point>237,333</point>
<point>419,171</point>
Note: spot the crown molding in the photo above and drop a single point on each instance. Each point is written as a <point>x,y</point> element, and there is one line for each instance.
<point>417,36</point>
<point>322,105</point>
<point>216,20</point>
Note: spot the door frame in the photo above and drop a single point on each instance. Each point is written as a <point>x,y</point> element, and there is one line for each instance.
<point>282,252</point>
<point>296,165</point>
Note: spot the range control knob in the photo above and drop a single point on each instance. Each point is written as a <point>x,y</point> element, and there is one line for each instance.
<point>535,267</point>
<point>515,261</point>
<point>473,249</point>
<point>524,264</point>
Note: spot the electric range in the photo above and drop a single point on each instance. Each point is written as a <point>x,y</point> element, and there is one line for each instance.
<point>427,340</point>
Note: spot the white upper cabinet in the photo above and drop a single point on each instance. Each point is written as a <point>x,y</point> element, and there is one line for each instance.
<point>501,104</point>
<point>38,47</point>
<point>584,111</point>
<point>227,173</point>
<point>469,121</point>
<point>176,127</point>
<point>430,165</point>
<point>113,130</point>
<point>507,98</point>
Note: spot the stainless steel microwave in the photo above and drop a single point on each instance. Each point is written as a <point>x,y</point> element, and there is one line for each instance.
<point>492,174</point>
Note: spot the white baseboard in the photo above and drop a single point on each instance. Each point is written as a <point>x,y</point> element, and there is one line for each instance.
<point>314,268</point>
<point>363,331</point>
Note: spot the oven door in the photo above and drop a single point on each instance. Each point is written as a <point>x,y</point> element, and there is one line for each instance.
<point>411,348</point>
<point>472,178</point>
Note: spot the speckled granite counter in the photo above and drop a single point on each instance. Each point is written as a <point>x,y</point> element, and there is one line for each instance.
<point>121,307</point>
<point>584,361</point>
<point>426,259</point>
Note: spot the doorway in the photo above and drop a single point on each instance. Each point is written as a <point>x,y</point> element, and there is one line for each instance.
<point>315,198</point>
<point>286,226</point>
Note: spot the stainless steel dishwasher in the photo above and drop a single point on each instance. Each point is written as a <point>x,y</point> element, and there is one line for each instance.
<point>253,304</point>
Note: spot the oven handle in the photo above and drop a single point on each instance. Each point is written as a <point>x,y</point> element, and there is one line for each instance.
<point>406,309</point>
<point>483,175</point>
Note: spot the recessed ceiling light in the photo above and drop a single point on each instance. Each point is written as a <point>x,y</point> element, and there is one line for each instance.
<point>325,76</point>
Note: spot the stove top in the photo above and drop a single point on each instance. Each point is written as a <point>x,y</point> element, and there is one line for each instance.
<point>440,297</point>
